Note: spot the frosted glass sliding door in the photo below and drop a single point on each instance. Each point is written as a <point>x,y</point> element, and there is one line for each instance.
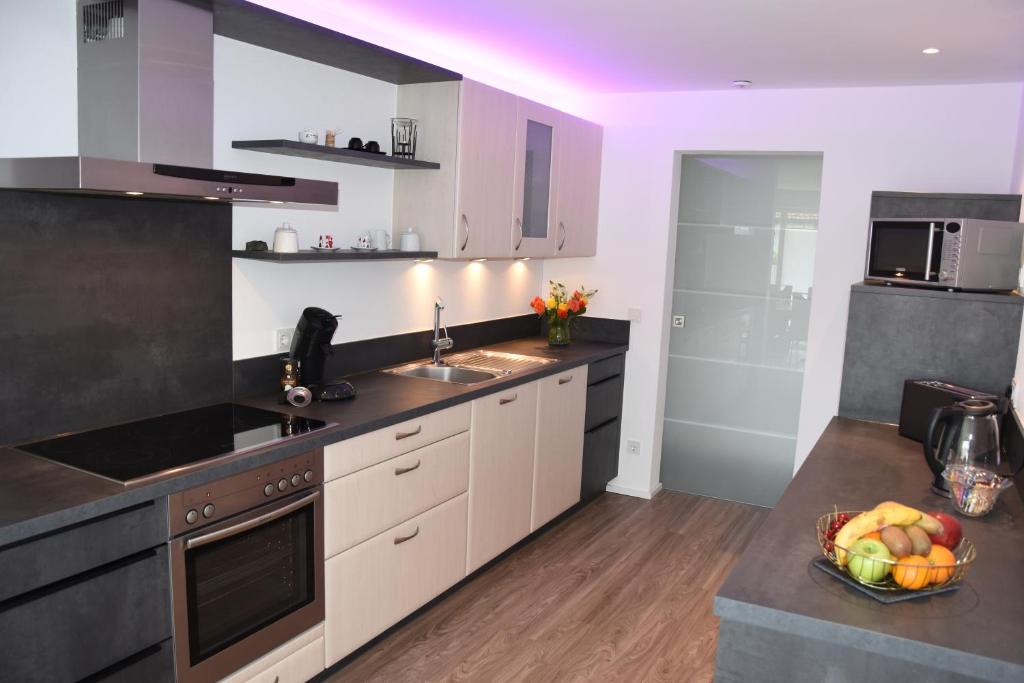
<point>745,243</point>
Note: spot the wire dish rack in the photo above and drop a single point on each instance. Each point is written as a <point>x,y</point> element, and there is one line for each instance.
<point>498,362</point>
<point>934,576</point>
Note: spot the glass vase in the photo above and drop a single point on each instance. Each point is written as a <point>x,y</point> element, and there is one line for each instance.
<point>558,332</point>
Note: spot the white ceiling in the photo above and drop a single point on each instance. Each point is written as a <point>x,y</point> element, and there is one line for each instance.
<point>664,45</point>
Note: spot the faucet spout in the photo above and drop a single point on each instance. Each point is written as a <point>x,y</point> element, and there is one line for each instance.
<point>440,343</point>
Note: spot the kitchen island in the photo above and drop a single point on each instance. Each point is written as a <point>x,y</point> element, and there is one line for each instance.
<point>785,620</point>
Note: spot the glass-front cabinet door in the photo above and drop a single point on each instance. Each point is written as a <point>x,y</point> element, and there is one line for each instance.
<point>537,151</point>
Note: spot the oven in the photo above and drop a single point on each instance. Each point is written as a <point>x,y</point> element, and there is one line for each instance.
<point>247,565</point>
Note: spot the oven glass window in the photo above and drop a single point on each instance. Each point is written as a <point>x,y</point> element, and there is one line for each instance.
<point>899,249</point>
<point>240,584</point>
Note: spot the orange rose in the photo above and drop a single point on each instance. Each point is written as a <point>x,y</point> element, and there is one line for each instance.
<point>563,313</point>
<point>538,305</point>
<point>574,305</point>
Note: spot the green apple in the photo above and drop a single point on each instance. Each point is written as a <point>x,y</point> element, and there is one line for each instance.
<point>864,560</point>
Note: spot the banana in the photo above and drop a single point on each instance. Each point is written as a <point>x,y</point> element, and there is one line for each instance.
<point>889,513</point>
<point>898,514</point>
<point>930,525</point>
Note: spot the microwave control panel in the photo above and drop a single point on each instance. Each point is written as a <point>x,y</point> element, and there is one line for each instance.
<point>950,262</point>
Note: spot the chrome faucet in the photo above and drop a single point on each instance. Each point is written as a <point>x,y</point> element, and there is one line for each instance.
<point>440,343</point>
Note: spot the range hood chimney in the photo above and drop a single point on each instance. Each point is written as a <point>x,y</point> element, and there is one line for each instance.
<point>145,114</point>
<point>145,81</point>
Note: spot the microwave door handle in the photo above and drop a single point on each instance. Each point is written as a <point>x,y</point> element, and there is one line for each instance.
<point>931,244</point>
<point>248,524</point>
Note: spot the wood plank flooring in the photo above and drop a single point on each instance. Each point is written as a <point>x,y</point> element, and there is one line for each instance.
<point>619,591</point>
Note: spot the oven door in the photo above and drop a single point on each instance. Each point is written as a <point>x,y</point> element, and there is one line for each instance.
<point>247,585</point>
<point>904,250</point>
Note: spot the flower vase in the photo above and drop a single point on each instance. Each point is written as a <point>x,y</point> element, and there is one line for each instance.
<point>558,332</point>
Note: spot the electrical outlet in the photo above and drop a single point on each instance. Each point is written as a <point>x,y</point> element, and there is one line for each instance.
<point>678,320</point>
<point>633,447</point>
<point>283,340</point>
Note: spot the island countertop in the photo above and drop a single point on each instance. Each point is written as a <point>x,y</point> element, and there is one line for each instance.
<point>973,633</point>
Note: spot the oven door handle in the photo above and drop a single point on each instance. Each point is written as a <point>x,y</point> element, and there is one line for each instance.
<point>248,524</point>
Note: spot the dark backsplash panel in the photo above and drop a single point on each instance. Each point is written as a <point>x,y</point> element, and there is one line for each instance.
<point>255,376</point>
<point>112,310</point>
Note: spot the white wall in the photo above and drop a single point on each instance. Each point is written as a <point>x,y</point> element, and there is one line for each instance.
<point>923,139</point>
<point>1018,188</point>
<point>38,79</point>
<point>262,94</point>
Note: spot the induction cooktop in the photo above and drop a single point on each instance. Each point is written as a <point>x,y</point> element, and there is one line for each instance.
<point>159,447</point>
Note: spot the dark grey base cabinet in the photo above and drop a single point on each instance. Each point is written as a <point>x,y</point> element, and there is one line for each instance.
<point>602,425</point>
<point>89,602</point>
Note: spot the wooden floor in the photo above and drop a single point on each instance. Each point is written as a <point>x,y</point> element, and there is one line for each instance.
<point>619,591</point>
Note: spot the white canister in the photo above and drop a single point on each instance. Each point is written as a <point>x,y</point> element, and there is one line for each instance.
<point>410,241</point>
<point>286,240</point>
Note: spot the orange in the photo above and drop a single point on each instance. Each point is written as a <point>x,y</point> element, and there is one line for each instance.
<point>912,572</point>
<point>873,535</point>
<point>942,561</point>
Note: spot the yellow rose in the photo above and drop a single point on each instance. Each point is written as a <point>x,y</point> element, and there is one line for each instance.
<point>551,302</point>
<point>563,307</point>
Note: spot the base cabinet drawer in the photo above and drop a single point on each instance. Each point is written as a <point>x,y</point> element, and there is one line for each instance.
<point>71,630</point>
<point>365,503</point>
<point>297,661</point>
<point>352,455</point>
<point>600,458</point>
<point>604,402</point>
<point>378,582</point>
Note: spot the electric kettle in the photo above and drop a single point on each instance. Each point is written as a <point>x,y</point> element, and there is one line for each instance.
<point>963,438</point>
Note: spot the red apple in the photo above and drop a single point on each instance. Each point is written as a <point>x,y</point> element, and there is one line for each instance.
<point>951,532</point>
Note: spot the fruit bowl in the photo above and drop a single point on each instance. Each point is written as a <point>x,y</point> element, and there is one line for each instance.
<point>924,578</point>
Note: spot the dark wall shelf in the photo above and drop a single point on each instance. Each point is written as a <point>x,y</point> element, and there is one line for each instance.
<point>264,27</point>
<point>306,256</point>
<point>342,155</point>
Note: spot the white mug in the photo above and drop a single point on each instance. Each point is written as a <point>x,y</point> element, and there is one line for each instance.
<point>410,241</point>
<point>381,239</point>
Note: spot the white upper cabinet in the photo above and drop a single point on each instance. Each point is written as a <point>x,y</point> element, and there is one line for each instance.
<point>539,131</point>
<point>578,184</point>
<point>504,162</point>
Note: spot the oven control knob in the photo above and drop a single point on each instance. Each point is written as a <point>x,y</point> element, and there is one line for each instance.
<point>268,490</point>
<point>191,517</point>
<point>282,485</point>
<point>208,510</point>
<point>296,479</point>
<point>308,475</point>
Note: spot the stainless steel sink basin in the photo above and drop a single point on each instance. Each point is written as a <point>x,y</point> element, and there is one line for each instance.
<point>447,373</point>
<point>471,367</point>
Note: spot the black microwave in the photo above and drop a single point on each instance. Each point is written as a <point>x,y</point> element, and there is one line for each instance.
<point>952,253</point>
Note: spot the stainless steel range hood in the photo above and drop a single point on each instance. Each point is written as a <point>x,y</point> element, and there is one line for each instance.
<point>145,113</point>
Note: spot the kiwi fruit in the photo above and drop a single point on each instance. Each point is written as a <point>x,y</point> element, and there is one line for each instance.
<point>897,541</point>
<point>921,544</point>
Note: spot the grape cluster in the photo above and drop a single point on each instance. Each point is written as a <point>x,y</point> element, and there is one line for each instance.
<point>833,528</point>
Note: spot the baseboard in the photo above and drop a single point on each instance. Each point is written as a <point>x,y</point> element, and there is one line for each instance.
<point>636,493</point>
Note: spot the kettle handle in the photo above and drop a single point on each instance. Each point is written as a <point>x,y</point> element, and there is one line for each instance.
<point>945,416</point>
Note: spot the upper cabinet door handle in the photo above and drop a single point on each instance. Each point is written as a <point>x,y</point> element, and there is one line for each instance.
<point>565,380</point>
<point>405,435</point>
<point>503,401</point>
<point>465,222</point>
<point>519,226</point>
<point>402,470</point>
<point>561,242</point>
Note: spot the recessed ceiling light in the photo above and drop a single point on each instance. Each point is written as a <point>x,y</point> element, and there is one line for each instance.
<point>743,83</point>
<point>931,50</point>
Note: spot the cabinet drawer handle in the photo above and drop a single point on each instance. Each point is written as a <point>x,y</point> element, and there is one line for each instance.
<point>405,435</point>
<point>519,226</point>
<point>565,380</point>
<point>465,221</point>
<point>403,539</point>
<point>503,401</point>
<point>402,470</point>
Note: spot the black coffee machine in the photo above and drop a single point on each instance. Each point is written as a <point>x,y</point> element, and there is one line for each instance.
<point>311,344</point>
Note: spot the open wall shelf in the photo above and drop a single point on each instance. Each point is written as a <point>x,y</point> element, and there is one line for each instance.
<point>339,154</point>
<point>308,255</point>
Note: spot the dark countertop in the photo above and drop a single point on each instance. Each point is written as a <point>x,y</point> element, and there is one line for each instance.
<point>976,630</point>
<point>37,496</point>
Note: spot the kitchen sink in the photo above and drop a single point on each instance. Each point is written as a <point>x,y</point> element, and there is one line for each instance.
<point>472,367</point>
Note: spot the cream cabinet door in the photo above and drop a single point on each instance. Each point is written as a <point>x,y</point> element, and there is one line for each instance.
<point>487,149</point>
<point>502,439</point>
<point>579,187</point>
<point>558,461</point>
<point>538,148</point>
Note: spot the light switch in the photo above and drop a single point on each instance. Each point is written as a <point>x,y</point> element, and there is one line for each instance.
<point>678,320</point>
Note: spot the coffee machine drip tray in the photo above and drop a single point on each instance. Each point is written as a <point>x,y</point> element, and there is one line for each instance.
<point>160,447</point>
